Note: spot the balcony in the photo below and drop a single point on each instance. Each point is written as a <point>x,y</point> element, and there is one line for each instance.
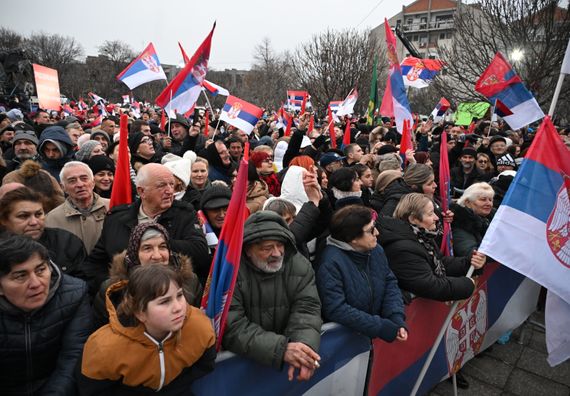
<point>424,26</point>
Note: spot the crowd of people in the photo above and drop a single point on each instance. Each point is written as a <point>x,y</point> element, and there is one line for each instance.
<point>99,300</point>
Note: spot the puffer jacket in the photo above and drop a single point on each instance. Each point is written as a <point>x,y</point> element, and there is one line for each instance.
<point>65,250</point>
<point>358,290</point>
<point>122,359</point>
<point>118,272</point>
<point>40,349</point>
<point>269,310</point>
<point>57,134</point>
<point>468,229</point>
<point>385,202</point>
<point>414,267</point>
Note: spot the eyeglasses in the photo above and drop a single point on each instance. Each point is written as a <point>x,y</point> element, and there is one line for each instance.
<point>371,231</point>
<point>482,161</point>
<point>148,141</point>
<point>268,160</point>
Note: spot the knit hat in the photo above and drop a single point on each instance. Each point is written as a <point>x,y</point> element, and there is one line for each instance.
<point>417,174</point>
<point>386,149</point>
<point>100,163</point>
<point>257,157</point>
<point>497,138</point>
<point>216,197</point>
<point>84,153</point>
<point>387,177</point>
<point>102,133</point>
<point>135,141</point>
<point>179,120</point>
<point>181,168</point>
<point>506,160</point>
<point>15,115</point>
<point>469,151</point>
<point>329,158</point>
<point>25,135</point>
<point>132,257</point>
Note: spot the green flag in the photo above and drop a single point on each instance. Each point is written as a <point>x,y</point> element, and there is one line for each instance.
<point>466,111</point>
<point>373,102</point>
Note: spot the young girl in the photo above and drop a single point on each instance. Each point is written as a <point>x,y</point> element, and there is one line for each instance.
<point>154,341</point>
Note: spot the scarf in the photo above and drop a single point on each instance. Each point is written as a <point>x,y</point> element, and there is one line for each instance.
<point>272,184</point>
<point>426,239</point>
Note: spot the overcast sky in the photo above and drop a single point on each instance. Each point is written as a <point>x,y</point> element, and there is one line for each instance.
<point>240,24</point>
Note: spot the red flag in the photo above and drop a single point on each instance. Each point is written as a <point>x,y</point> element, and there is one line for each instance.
<point>497,77</point>
<point>331,129</point>
<point>121,192</point>
<point>311,124</point>
<point>225,265</point>
<point>289,120</point>
<point>304,104</point>
<point>163,119</point>
<point>346,137</point>
<point>206,122</point>
<point>406,142</point>
<point>471,128</point>
<point>184,56</point>
<point>444,194</point>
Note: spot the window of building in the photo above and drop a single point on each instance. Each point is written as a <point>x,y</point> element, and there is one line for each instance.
<point>442,36</point>
<point>409,21</point>
<point>415,37</point>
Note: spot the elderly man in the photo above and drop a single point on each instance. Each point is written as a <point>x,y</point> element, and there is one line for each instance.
<point>83,211</point>
<point>275,313</point>
<point>466,173</point>
<point>25,147</point>
<point>155,186</point>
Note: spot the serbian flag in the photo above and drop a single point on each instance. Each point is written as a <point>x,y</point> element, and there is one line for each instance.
<point>332,134</point>
<point>395,102</point>
<point>334,106</point>
<point>347,105</point>
<point>501,109</point>
<point>184,55</point>
<point>181,94</point>
<point>297,100</point>
<point>535,214</point>
<point>406,142</point>
<point>144,68</point>
<point>440,109</point>
<point>81,105</point>
<point>346,136</point>
<point>224,270</point>
<point>215,89</point>
<point>499,81</point>
<point>206,122</point>
<point>241,114</point>
<point>121,192</point>
<point>444,194</point>
<point>67,110</point>
<point>419,73</point>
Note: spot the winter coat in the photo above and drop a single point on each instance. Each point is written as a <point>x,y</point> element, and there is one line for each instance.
<point>358,290</point>
<point>269,310</point>
<point>118,272</point>
<point>468,229</point>
<point>460,180</point>
<point>87,228</point>
<point>180,220</point>
<point>385,202</point>
<point>58,134</point>
<point>39,349</point>
<point>65,250</point>
<point>194,143</point>
<point>257,194</point>
<point>122,359</point>
<point>414,267</point>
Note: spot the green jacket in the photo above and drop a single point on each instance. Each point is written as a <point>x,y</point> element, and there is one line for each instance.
<point>269,310</point>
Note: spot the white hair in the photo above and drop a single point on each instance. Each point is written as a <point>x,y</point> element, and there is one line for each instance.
<point>72,164</point>
<point>146,171</point>
<point>475,191</point>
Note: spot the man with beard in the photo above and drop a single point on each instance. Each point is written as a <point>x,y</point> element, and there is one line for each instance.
<point>25,147</point>
<point>184,137</point>
<point>466,173</point>
<point>275,313</point>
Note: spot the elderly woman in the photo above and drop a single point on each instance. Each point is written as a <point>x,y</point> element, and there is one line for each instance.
<point>45,319</point>
<point>22,213</point>
<point>355,283</point>
<point>473,213</point>
<point>409,242</point>
<point>149,243</point>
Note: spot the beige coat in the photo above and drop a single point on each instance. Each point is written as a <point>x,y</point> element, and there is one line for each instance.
<point>87,228</point>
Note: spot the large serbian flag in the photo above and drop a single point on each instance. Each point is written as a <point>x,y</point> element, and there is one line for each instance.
<point>182,93</point>
<point>499,81</point>
<point>241,114</point>
<point>419,73</point>
<point>144,68</point>
<point>223,272</point>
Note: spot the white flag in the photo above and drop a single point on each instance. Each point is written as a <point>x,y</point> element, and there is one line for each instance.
<point>566,61</point>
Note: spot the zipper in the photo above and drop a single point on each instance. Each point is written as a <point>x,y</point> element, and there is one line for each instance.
<point>160,346</point>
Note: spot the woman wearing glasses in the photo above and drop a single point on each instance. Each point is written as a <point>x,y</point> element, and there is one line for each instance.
<point>485,165</point>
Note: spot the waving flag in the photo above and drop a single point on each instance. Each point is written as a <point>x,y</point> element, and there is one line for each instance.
<point>224,270</point>
<point>406,142</point>
<point>373,102</point>
<point>184,56</point>
<point>501,109</point>
<point>419,73</point>
<point>296,100</point>
<point>444,195</point>
<point>121,191</point>
<point>332,133</point>
<point>499,81</point>
<point>395,102</point>
<point>215,89</point>
<point>347,105</point>
<point>241,114</point>
<point>181,94</point>
<point>144,68</point>
<point>346,137</point>
<point>440,109</point>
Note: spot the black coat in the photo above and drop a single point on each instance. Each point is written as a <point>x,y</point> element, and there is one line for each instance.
<point>414,267</point>
<point>460,180</point>
<point>386,201</point>
<point>66,250</point>
<point>468,230</point>
<point>39,349</point>
<point>180,220</point>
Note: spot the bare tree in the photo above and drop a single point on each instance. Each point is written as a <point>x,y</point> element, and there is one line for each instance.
<point>117,51</point>
<point>532,33</point>
<point>10,40</point>
<point>334,62</point>
<point>54,50</point>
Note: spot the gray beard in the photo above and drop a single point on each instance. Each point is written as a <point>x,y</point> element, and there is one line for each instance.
<point>265,266</point>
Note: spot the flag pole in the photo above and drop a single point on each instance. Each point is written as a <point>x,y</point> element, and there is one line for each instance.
<point>169,110</point>
<point>556,94</point>
<point>442,331</point>
<point>208,101</point>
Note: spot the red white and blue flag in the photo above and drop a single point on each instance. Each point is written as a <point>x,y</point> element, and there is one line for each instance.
<point>419,73</point>
<point>183,92</point>
<point>144,68</point>
<point>536,213</point>
<point>215,89</point>
<point>297,100</point>
<point>499,81</point>
<point>284,120</point>
<point>440,109</point>
<point>445,194</point>
<point>395,102</point>
<point>346,107</point>
<point>240,114</point>
<point>501,109</point>
<point>224,270</point>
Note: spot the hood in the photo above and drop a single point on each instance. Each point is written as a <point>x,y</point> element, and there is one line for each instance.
<point>292,188</point>
<point>339,244</point>
<point>266,225</point>
<point>56,135</point>
<point>392,230</point>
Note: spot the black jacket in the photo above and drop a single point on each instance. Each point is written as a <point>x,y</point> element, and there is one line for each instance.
<point>66,250</point>
<point>39,349</point>
<point>386,201</point>
<point>460,180</point>
<point>180,220</point>
<point>414,267</point>
<point>468,229</point>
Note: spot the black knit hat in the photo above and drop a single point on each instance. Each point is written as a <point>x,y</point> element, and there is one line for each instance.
<point>469,151</point>
<point>100,163</point>
<point>216,197</point>
<point>135,141</point>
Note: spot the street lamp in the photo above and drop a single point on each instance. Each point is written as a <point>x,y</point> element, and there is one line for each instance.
<point>517,54</point>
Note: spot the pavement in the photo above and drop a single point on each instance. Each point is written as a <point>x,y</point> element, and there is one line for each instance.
<point>516,368</point>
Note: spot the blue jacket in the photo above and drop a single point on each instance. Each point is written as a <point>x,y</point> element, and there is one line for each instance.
<point>58,135</point>
<point>358,290</point>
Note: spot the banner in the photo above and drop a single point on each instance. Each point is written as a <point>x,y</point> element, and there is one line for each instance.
<point>466,111</point>
<point>47,87</point>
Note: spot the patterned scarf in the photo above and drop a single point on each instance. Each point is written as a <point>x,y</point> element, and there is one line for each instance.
<point>426,239</point>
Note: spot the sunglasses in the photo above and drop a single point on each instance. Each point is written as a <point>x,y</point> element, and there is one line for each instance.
<point>482,161</point>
